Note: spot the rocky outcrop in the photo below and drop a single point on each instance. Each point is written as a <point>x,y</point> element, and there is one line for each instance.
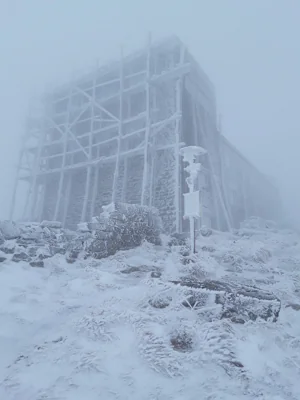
<point>9,230</point>
<point>239,303</point>
<point>32,242</point>
<point>121,227</point>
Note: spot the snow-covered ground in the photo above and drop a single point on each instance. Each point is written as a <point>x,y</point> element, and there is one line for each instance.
<point>105,329</point>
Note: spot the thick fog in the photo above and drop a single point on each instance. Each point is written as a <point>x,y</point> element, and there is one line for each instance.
<point>249,49</point>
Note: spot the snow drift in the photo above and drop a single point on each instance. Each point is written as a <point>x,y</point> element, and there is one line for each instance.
<point>153,322</point>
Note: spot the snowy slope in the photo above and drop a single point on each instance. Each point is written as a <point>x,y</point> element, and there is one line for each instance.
<point>109,329</point>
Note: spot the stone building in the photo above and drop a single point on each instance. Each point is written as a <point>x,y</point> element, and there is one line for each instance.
<point>114,134</point>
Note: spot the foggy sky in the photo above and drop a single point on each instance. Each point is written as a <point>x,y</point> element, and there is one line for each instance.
<point>249,49</point>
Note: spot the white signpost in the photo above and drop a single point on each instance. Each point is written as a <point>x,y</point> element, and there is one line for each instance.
<point>192,206</point>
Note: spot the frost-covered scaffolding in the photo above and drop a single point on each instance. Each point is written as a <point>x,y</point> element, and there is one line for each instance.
<point>115,135</point>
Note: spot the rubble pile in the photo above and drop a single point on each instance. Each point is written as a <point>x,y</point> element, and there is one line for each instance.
<point>227,314</point>
<point>122,227</point>
<point>239,303</point>
<point>32,242</point>
<point>119,227</point>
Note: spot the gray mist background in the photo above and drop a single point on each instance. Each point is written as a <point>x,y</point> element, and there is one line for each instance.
<point>250,50</point>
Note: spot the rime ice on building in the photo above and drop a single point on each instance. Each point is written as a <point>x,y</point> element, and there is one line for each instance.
<point>115,135</point>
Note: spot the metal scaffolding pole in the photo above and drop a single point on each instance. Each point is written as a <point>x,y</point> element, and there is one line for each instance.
<point>177,146</point>
<point>148,124</point>
<point>120,133</point>
<point>90,153</point>
<point>41,203</point>
<point>14,195</point>
<point>36,170</point>
<point>95,187</point>
<point>65,147</point>
<point>67,198</point>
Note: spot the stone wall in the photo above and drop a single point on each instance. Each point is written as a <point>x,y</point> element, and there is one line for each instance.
<point>76,199</point>
<point>164,188</point>
<point>135,168</point>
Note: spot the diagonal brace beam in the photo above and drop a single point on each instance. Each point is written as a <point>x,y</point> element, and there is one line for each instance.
<point>97,104</point>
<point>68,129</point>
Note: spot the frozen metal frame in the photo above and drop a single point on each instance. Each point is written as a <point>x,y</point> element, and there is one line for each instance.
<point>146,79</point>
<point>101,100</point>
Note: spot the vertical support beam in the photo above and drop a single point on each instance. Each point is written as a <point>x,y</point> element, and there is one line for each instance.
<point>14,194</point>
<point>153,150</point>
<point>27,201</point>
<point>117,166</point>
<point>177,145</point>
<point>124,186</point>
<point>62,173</point>
<point>86,194</point>
<point>89,168</point>
<point>34,184</point>
<point>246,212</point>
<point>153,157</point>
<point>41,206</point>
<point>177,160</point>
<point>148,123</point>
<point>95,187</point>
<point>67,198</point>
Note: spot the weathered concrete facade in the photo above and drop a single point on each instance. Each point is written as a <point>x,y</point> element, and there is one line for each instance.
<point>115,135</point>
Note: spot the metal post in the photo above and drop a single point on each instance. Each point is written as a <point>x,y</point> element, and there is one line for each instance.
<point>177,145</point>
<point>90,155</point>
<point>14,195</point>
<point>148,124</point>
<point>95,187</point>
<point>67,198</point>
<point>246,213</point>
<point>41,142</point>
<point>117,166</point>
<point>65,147</point>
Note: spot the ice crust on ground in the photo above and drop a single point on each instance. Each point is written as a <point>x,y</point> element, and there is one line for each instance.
<point>116,328</point>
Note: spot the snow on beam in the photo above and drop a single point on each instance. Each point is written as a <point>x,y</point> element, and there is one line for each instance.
<point>97,104</point>
<point>148,125</point>
<point>116,172</point>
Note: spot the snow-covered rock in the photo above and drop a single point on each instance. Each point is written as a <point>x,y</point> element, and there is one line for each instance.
<point>118,328</point>
<point>51,224</point>
<point>9,230</point>
<point>123,226</point>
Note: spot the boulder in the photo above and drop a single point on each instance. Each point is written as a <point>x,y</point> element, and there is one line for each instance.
<point>155,274</point>
<point>37,264</point>
<point>51,224</point>
<point>9,230</point>
<point>72,256</point>
<point>123,226</point>
<point>177,239</point>
<point>55,249</point>
<point>141,270</point>
<point>294,306</point>
<point>182,341</point>
<point>239,303</point>
<point>2,240</point>
<point>160,302</point>
<point>8,248</point>
<point>206,232</point>
<point>21,256</point>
